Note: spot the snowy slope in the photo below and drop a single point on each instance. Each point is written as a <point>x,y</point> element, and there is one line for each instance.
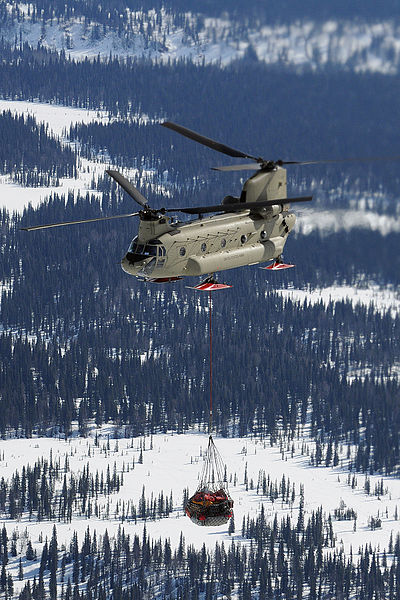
<point>382,300</point>
<point>58,118</point>
<point>334,220</point>
<point>355,46</point>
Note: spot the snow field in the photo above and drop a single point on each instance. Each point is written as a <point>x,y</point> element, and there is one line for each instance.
<point>335,220</point>
<point>174,462</point>
<point>58,118</point>
<point>382,300</point>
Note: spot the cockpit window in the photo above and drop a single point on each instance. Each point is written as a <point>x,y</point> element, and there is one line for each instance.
<point>152,248</point>
<point>133,246</point>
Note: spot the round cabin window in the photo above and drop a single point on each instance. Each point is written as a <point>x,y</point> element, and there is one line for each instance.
<point>203,247</point>
<point>223,243</point>
<point>243,239</point>
<point>182,251</point>
<point>263,235</point>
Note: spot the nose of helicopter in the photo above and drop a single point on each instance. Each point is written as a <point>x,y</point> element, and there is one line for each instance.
<point>128,266</point>
<point>136,264</point>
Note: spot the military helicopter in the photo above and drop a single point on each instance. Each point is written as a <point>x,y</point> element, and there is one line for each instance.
<point>245,230</point>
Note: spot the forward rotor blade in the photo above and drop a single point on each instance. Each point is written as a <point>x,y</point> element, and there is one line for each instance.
<point>128,187</point>
<point>262,164</point>
<point>247,167</point>
<point>48,226</point>
<point>201,139</point>
<point>237,206</point>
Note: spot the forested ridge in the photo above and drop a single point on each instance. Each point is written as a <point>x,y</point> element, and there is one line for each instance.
<point>253,12</point>
<point>30,154</point>
<point>337,115</point>
<point>89,328</point>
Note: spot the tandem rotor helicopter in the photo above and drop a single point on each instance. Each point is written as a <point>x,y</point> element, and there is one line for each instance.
<point>245,230</point>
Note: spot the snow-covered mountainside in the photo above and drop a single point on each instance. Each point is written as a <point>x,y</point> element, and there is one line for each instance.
<point>156,35</point>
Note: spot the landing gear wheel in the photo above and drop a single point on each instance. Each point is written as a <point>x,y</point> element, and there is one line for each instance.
<point>210,279</point>
<point>278,265</point>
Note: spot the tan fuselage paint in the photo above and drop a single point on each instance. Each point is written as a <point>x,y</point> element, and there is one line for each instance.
<point>231,239</point>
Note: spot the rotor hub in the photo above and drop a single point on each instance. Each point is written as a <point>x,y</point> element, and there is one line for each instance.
<point>149,214</point>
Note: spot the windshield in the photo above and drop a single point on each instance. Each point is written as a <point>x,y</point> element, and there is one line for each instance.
<point>149,249</point>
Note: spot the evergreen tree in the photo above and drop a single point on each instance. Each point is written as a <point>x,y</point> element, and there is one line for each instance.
<point>53,564</point>
<point>20,571</point>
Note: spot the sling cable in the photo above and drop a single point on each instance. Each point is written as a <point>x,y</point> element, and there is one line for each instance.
<point>211,504</point>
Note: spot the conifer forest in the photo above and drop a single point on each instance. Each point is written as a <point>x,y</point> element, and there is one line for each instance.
<point>100,372</point>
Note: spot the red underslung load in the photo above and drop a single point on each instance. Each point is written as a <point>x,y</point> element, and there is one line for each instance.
<point>211,505</point>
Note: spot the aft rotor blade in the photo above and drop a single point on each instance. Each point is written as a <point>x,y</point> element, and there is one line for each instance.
<point>238,206</point>
<point>128,187</point>
<point>201,139</point>
<point>341,160</point>
<point>279,163</point>
<point>49,225</point>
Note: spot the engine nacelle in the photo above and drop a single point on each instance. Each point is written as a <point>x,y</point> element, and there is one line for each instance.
<point>269,212</point>
<point>274,247</point>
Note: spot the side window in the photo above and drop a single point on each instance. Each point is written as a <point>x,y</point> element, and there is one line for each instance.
<point>182,251</point>
<point>223,243</point>
<point>203,247</point>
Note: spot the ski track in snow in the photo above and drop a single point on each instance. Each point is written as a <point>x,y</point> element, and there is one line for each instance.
<point>174,463</point>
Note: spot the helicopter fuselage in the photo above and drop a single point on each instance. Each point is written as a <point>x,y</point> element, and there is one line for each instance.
<point>164,249</point>
<point>245,230</point>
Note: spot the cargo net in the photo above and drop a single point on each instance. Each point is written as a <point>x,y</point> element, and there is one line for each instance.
<point>211,505</point>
